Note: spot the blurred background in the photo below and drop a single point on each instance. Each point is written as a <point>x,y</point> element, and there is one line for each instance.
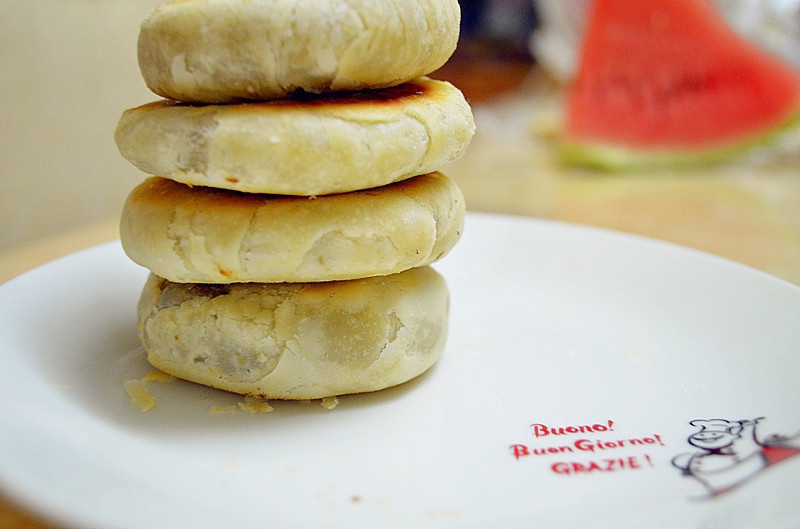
<point>68,69</point>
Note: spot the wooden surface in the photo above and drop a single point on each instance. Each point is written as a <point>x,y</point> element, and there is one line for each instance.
<point>748,211</point>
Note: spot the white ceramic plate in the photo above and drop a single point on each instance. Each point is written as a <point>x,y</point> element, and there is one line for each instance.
<point>576,360</point>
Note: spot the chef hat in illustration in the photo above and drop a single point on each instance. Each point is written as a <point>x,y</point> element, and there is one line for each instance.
<point>718,425</point>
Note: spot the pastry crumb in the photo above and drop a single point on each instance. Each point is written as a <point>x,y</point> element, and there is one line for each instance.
<point>218,410</point>
<point>254,405</point>
<point>137,390</point>
<point>139,395</point>
<point>158,376</point>
<point>248,405</point>
<point>330,402</point>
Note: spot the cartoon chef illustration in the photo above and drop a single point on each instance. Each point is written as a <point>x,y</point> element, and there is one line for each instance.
<point>730,453</point>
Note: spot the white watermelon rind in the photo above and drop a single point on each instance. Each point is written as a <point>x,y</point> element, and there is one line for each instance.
<point>612,157</point>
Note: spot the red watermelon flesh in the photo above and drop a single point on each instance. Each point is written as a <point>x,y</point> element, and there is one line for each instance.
<point>672,78</point>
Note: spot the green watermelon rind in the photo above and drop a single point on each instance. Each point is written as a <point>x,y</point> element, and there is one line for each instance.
<point>610,157</point>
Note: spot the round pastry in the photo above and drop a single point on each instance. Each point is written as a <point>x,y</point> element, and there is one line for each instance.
<point>312,145</point>
<point>219,51</point>
<point>206,235</point>
<point>296,340</point>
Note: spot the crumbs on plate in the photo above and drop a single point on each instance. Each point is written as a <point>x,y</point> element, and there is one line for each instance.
<point>141,397</point>
<point>137,390</point>
<point>139,394</point>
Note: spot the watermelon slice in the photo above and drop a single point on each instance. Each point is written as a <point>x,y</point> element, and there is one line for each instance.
<point>665,82</point>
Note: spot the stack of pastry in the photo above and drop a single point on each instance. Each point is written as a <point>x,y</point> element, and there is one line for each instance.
<point>295,202</point>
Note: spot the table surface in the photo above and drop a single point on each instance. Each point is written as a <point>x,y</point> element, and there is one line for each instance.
<point>747,210</point>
